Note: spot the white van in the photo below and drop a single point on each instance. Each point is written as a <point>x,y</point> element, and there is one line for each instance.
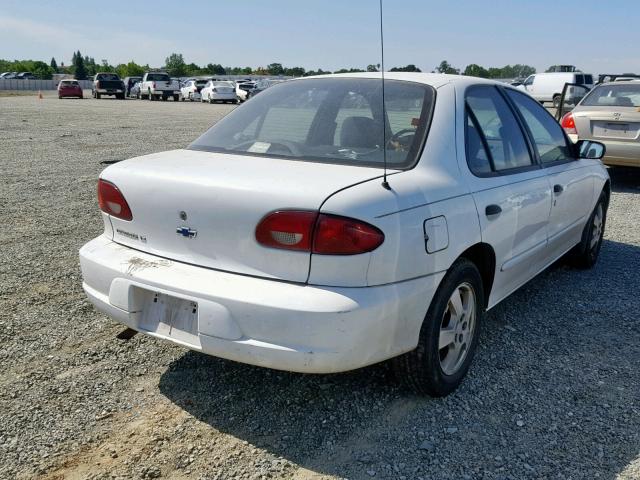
<point>547,87</point>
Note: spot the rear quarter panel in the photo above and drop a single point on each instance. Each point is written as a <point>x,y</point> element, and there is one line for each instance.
<point>432,188</point>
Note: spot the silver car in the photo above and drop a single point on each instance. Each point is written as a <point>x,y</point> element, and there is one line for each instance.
<point>610,113</point>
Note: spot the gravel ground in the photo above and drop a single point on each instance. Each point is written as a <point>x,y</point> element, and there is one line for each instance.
<point>554,391</point>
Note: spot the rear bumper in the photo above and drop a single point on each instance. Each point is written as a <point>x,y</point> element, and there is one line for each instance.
<point>166,93</point>
<point>223,96</point>
<point>263,322</point>
<point>109,91</point>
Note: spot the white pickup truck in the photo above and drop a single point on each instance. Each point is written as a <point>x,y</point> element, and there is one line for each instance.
<point>158,85</point>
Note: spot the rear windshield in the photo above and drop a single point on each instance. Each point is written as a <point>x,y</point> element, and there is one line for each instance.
<point>107,76</point>
<point>222,84</point>
<point>158,77</point>
<point>68,82</point>
<point>332,120</point>
<point>624,95</point>
<point>201,83</point>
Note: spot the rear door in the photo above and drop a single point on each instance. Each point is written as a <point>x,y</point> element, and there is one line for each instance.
<point>570,179</point>
<point>511,191</point>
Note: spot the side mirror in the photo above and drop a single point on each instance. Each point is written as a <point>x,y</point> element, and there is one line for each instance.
<point>590,149</point>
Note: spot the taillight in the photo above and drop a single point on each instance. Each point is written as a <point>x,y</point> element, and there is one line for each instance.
<point>287,229</point>
<point>318,233</point>
<point>336,235</point>
<point>568,123</point>
<point>98,84</point>
<point>153,84</point>
<point>112,201</point>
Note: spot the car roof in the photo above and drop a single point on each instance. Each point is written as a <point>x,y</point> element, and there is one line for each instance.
<point>436,80</point>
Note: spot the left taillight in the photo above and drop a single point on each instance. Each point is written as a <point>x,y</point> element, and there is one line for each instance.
<point>320,234</point>
<point>112,201</point>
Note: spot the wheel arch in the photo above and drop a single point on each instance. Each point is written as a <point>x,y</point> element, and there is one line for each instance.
<point>483,257</point>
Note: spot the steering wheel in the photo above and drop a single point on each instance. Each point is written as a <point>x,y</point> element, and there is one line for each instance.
<point>400,140</point>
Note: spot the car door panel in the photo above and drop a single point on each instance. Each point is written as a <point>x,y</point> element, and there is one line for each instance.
<point>511,192</point>
<point>570,180</point>
<point>518,234</point>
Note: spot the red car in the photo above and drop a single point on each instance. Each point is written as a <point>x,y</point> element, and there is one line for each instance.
<point>69,88</point>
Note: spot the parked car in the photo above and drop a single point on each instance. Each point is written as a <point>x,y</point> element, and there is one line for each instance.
<point>214,91</point>
<point>294,235</point>
<point>191,90</point>
<point>547,87</point>
<point>129,82</point>
<point>8,75</point>
<point>135,90</point>
<point>610,113</point>
<point>106,83</point>
<point>25,76</point>
<point>158,85</point>
<point>243,89</point>
<point>69,88</point>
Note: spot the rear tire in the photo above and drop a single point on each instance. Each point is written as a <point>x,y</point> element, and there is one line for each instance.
<point>176,98</point>
<point>98,95</point>
<point>449,334</point>
<point>585,254</point>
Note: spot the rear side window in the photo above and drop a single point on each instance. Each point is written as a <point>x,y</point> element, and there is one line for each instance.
<point>548,138</point>
<point>490,117</point>
<point>580,79</point>
<point>588,79</point>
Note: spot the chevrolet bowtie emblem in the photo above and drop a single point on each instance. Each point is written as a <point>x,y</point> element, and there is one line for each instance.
<point>186,232</point>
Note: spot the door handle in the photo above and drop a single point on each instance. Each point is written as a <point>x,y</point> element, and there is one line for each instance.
<point>493,210</point>
<point>558,188</point>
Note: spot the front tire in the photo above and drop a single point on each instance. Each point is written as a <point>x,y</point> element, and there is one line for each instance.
<point>556,101</point>
<point>585,254</point>
<point>449,334</point>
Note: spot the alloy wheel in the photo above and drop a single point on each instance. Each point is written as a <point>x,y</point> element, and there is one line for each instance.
<point>457,328</point>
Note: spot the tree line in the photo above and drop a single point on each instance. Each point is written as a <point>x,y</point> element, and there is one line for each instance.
<point>474,70</point>
<point>83,67</point>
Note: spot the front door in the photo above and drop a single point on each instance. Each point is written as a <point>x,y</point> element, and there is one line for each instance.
<point>570,179</point>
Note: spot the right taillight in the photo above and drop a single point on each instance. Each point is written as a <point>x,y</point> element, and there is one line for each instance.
<point>568,123</point>
<point>112,201</point>
<point>321,234</point>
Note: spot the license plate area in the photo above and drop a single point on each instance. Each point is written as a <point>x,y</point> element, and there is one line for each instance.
<point>169,316</point>
<point>616,129</point>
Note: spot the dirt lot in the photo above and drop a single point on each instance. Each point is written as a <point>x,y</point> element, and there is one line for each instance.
<point>554,391</point>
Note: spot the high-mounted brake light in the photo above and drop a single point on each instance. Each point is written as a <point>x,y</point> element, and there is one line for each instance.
<point>318,233</point>
<point>569,124</point>
<point>112,201</point>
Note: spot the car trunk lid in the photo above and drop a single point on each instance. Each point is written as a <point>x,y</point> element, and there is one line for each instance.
<point>202,208</point>
<point>621,124</point>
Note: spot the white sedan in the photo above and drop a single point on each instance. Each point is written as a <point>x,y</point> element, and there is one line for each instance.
<point>218,91</point>
<point>274,239</point>
<point>191,90</point>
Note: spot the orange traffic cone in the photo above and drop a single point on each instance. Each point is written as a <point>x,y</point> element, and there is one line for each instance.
<point>40,97</point>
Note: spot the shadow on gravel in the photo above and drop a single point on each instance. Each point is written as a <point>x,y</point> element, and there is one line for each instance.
<point>625,179</point>
<point>552,393</point>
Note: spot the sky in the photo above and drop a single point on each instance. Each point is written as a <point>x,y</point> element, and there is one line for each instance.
<point>596,36</point>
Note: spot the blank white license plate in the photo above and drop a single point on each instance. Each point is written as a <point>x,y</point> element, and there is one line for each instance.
<point>616,130</point>
<point>170,317</point>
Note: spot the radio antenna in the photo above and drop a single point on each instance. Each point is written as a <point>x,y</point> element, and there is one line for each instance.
<point>385,184</point>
